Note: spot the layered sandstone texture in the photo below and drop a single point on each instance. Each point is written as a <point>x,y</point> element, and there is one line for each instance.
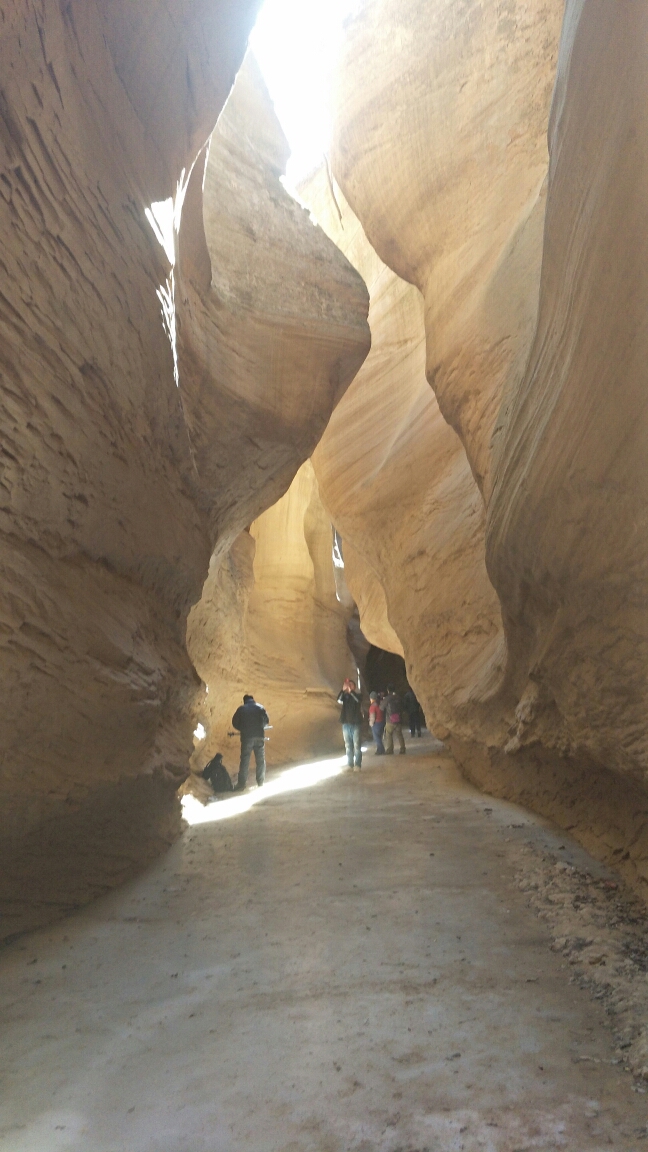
<point>567,539</point>
<point>397,485</point>
<point>270,339</point>
<point>272,622</point>
<point>112,499</point>
<point>440,149</point>
<point>533,285</point>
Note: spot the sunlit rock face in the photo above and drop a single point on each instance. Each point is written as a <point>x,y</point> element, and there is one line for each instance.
<point>270,340</point>
<point>440,149</point>
<point>396,482</point>
<point>111,499</point>
<point>534,333</point>
<point>271,622</point>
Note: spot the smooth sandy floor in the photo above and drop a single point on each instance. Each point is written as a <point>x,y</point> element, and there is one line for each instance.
<point>347,966</point>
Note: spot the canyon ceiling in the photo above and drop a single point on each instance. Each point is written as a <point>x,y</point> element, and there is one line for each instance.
<point>186,415</point>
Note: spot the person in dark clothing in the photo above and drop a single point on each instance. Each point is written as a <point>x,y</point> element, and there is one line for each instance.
<point>250,720</point>
<point>413,709</point>
<point>393,707</point>
<point>351,719</point>
<point>217,775</point>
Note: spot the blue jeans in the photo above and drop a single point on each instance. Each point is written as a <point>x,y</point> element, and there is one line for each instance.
<point>378,730</point>
<point>351,733</point>
<point>252,744</point>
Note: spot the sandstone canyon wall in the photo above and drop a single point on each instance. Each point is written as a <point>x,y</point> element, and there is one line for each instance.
<point>120,452</point>
<point>271,621</point>
<point>396,482</point>
<point>567,539</point>
<point>532,306</point>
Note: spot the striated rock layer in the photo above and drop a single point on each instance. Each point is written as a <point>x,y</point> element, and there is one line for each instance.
<point>396,482</point>
<point>567,539</point>
<point>534,346</point>
<point>268,342</point>
<point>440,149</point>
<point>120,453</point>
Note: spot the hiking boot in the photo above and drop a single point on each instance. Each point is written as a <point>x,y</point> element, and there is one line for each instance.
<point>240,787</point>
<point>403,751</point>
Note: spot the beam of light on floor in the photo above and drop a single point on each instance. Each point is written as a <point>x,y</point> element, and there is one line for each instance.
<point>292,779</point>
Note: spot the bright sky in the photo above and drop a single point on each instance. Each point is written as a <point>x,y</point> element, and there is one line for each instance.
<point>296,43</point>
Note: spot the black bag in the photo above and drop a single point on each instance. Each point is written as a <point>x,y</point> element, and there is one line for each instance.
<point>217,774</point>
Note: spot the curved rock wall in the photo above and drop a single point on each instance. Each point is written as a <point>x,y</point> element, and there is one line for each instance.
<point>440,149</point>
<point>118,473</point>
<point>534,334</point>
<point>270,622</point>
<point>396,482</point>
<point>567,528</point>
<point>267,343</point>
<point>567,545</point>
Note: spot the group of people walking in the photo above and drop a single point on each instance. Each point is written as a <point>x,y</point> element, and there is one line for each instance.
<point>386,711</point>
<point>386,714</point>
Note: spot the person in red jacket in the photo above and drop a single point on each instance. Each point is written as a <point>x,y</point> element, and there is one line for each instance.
<point>377,722</point>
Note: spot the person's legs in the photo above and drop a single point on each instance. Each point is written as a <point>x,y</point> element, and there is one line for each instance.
<point>398,729</point>
<point>412,723</point>
<point>378,730</point>
<point>244,763</point>
<point>389,739</point>
<point>259,758</point>
<point>347,732</point>
<point>357,745</point>
<point>418,722</point>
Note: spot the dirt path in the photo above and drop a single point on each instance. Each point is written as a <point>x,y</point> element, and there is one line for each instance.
<point>351,967</point>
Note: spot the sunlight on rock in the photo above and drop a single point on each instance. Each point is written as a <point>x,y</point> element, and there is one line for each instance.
<point>293,779</point>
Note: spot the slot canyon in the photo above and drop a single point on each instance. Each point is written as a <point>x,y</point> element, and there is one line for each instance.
<point>387,425</point>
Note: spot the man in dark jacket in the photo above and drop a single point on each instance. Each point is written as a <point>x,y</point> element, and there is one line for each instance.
<point>413,709</point>
<point>351,719</point>
<point>250,720</point>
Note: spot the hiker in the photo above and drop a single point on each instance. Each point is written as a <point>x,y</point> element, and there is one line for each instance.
<point>351,719</point>
<point>216,773</point>
<point>413,709</point>
<point>250,720</point>
<point>393,708</point>
<point>377,722</point>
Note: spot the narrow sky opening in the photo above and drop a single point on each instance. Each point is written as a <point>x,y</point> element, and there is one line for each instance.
<point>297,44</point>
